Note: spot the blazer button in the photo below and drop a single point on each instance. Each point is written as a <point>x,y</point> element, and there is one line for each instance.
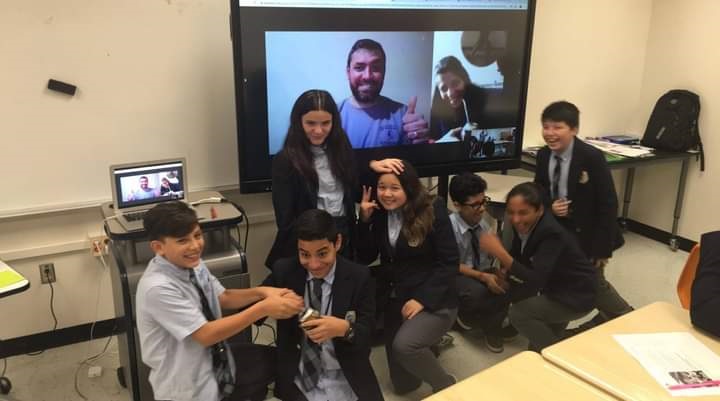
<point>577,230</point>
<point>298,346</point>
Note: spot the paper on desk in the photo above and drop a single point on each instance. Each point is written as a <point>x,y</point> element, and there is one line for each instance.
<point>674,360</point>
<point>622,150</point>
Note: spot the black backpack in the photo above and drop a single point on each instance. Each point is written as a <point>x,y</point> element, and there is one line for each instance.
<point>673,124</point>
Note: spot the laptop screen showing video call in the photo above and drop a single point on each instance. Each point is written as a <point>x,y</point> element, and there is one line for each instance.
<point>149,184</point>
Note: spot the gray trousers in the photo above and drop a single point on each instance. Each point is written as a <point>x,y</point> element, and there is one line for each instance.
<point>407,344</point>
<point>541,320</point>
<point>609,303</point>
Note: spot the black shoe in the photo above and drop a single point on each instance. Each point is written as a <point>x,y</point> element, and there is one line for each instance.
<point>462,325</point>
<point>446,340</point>
<point>508,333</point>
<point>494,344</point>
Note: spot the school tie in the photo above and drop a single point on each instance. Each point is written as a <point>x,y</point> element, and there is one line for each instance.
<point>474,243</point>
<point>556,177</point>
<point>310,353</point>
<point>220,350</point>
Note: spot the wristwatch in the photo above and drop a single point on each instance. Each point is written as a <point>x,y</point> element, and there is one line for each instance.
<point>350,333</point>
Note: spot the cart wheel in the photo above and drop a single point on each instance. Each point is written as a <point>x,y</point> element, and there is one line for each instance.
<point>5,385</point>
<point>121,377</point>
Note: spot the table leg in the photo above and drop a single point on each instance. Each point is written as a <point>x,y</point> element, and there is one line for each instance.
<point>629,178</point>
<point>678,204</point>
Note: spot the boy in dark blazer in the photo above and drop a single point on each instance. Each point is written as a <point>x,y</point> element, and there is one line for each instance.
<point>581,195</point>
<point>327,357</point>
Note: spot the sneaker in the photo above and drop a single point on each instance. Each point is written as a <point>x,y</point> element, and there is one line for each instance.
<point>494,344</point>
<point>462,325</point>
<point>508,333</point>
<point>445,340</point>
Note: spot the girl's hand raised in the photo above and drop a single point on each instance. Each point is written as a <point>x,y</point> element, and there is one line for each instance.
<point>367,206</point>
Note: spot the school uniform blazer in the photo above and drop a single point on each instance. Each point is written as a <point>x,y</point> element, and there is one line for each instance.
<point>292,195</point>
<point>352,290</point>
<point>593,211</point>
<point>426,272</point>
<point>705,298</point>
<point>553,264</point>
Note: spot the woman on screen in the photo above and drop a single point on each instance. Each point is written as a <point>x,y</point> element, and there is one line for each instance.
<point>456,100</point>
<point>315,169</point>
<point>411,231</point>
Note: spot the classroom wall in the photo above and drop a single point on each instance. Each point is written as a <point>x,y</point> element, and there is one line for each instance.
<point>592,53</point>
<point>681,54</point>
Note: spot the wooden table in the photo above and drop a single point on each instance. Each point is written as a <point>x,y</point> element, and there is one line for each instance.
<point>523,377</point>
<point>598,359</point>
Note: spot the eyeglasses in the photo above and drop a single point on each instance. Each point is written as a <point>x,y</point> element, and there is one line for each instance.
<point>478,205</point>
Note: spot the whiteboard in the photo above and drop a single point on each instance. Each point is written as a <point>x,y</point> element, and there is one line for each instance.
<point>155,81</point>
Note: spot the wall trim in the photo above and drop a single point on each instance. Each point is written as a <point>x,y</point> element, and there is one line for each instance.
<point>659,235</point>
<point>60,337</point>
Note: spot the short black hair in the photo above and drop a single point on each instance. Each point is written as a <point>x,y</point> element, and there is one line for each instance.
<point>531,193</point>
<point>369,45</point>
<point>562,111</point>
<point>466,185</point>
<point>315,224</point>
<point>170,219</point>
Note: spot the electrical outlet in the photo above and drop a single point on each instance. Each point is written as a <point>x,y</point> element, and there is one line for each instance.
<point>99,245</point>
<point>47,273</point>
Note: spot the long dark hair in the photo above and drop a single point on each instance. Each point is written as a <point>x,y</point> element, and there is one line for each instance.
<point>297,147</point>
<point>441,113</point>
<point>418,213</point>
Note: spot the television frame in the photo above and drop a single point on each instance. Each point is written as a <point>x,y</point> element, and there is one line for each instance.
<point>253,184</point>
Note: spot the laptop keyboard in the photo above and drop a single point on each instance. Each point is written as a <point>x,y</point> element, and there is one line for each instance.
<point>135,216</point>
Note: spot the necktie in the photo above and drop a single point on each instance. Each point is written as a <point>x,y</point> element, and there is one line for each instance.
<point>310,354</point>
<point>219,351</point>
<point>475,246</point>
<point>556,177</point>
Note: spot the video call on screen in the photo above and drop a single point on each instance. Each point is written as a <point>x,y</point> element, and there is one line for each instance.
<point>282,52</point>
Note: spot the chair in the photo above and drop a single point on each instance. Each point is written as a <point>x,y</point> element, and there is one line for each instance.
<point>685,281</point>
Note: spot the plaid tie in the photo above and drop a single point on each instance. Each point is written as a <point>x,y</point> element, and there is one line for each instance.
<point>556,177</point>
<point>219,351</point>
<point>310,353</point>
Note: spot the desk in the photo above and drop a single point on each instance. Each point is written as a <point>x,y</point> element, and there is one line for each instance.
<point>525,376</point>
<point>5,291</point>
<point>16,287</point>
<point>598,359</point>
<point>528,163</point>
<point>500,184</point>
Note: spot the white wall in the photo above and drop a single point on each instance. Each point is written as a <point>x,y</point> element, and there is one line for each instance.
<point>681,54</point>
<point>154,81</point>
<point>592,54</point>
<point>612,58</point>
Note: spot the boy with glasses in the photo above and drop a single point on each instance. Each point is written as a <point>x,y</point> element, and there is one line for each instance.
<point>482,294</point>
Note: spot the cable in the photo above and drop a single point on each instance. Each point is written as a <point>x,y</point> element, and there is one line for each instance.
<point>92,330</point>
<point>247,222</point>
<point>52,312</point>
<point>5,367</point>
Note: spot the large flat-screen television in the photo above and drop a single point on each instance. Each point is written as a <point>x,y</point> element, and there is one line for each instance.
<point>441,83</point>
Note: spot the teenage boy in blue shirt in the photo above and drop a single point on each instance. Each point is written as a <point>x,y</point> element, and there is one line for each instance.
<point>183,346</point>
